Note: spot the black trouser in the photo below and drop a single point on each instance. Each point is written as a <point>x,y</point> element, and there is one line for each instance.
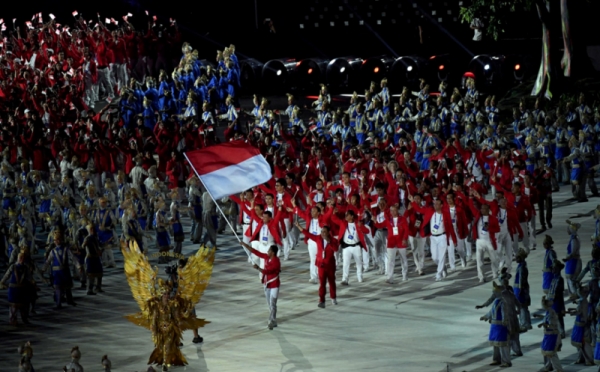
<point>95,280</point>
<point>591,182</point>
<point>545,209</point>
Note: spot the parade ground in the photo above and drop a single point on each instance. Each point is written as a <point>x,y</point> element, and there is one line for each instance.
<point>418,325</point>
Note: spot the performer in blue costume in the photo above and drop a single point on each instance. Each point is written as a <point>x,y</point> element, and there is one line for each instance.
<point>573,260</point>
<point>498,336</point>
<point>521,289</point>
<point>581,335</point>
<point>18,277</point>
<point>549,259</point>
<point>551,342</point>
<point>59,260</point>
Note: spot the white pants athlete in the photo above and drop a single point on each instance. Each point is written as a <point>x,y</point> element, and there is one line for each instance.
<point>505,250</point>
<point>379,253</point>
<point>484,246</point>
<point>439,248</point>
<point>417,244</point>
<point>391,263</point>
<point>312,254</point>
<point>353,251</point>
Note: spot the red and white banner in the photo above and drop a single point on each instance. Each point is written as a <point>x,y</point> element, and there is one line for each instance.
<point>229,168</point>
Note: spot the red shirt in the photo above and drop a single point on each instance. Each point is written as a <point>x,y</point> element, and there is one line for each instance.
<point>325,253</point>
<point>270,273</point>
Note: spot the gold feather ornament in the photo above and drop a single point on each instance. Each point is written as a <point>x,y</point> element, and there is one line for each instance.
<point>167,315</point>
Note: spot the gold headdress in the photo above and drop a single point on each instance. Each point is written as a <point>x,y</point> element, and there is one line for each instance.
<point>573,226</point>
<point>522,253</point>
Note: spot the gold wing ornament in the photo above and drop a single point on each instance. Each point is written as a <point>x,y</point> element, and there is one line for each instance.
<point>194,277</point>
<point>142,281</point>
<point>193,280</point>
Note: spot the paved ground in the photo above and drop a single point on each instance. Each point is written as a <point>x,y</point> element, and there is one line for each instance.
<point>419,325</point>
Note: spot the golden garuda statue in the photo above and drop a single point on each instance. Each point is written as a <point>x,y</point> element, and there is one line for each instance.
<point>165,312</point>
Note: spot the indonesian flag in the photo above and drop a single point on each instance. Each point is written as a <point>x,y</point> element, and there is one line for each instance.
<point>229,168</point>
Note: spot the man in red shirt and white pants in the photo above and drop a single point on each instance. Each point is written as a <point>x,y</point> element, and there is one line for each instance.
<point>324,260</point>
<point>270,279</point>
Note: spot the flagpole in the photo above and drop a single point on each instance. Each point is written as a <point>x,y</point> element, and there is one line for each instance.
<point>218,207</point>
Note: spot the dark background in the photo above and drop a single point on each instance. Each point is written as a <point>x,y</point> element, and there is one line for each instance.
<point>212,25</point>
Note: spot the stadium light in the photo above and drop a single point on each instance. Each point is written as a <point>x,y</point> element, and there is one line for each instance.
<point>343,72</point>
<point>278,72</point>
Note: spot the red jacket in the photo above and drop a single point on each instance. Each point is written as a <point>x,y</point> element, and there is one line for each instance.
<point>273,227</point>
<point>428,213</point>
<point>512,219</point>
<point>343,225</point>
<point>462,223</point>
<point>270,273</point>
<point>493,226</point>
<point>325,255</point>
<point>395,241</point>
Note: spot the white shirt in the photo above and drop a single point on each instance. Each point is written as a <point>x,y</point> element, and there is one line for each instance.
<point>265,236</point>
<point>503,221</point>
<point>453,215</point>
<point>314,226</point>
<point>381,217</point>
<point>351,234</point>
<point>483,234</point>
<point>318,196</point>
<point>437,220</point>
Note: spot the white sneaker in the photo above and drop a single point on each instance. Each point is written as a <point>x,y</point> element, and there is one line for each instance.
<point>312,281</point>
<point>404,278</point>
<point>333,301</point>
<point>438,279</point>
<point>451,270</point>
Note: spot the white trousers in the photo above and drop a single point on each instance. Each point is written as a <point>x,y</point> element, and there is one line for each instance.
<point>91,92</point>
<point>271,295</point>
<point>391,262</point>
<point>294,236</point>
<point>505,250</point>
<point>417,244</point>
<point>312,255</point>
<point>379,254</point>
<point>288,238</point>
<point>120,75</point>
<point>105,82</point>
<point>532,228</point>
<point>366,254</point>
<point>484,246</point>
<point>348,253</point>
<point>526,243</point>
<point>439,248</point>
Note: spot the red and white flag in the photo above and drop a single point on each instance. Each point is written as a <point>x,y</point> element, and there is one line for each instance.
<point>229,168</point>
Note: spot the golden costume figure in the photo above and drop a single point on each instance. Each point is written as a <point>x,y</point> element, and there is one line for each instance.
<point>165,315</point>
